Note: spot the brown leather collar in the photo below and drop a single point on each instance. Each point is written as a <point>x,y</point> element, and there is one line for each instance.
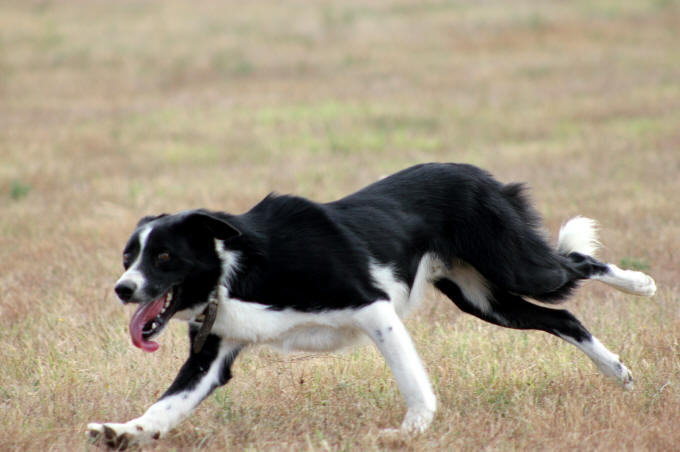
<point>209,314</point>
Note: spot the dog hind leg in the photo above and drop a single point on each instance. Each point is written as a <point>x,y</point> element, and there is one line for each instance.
<point>629,281</point>
<point>578,242</point>
<point>512,311</point>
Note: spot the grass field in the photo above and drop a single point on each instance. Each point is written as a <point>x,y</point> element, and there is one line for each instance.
<point>114,110</point>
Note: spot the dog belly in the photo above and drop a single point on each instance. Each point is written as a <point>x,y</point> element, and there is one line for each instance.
<point>319,339</point>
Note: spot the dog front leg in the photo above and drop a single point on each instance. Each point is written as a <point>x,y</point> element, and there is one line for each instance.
<point>385,328</point>
<point>199,376</point>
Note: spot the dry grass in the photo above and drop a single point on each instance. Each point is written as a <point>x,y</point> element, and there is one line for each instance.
<point>112,110</point>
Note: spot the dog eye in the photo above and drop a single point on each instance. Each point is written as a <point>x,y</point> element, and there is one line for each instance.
<point>127,260</point>
<point>163,257</point>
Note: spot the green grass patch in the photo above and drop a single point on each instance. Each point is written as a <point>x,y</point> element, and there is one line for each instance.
<point>634,264</point>
<point>18,190</point>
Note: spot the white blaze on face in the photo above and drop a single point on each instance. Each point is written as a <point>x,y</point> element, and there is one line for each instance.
<point>134,275</point>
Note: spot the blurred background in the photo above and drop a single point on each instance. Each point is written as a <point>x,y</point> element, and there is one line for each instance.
<point>114,110</point>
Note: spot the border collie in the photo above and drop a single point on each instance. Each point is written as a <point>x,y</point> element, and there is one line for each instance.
<point>301,275</point>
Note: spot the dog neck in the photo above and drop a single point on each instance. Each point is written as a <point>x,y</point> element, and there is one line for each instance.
<point>209,314</point>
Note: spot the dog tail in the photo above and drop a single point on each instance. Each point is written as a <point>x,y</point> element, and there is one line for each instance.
<point>578,235</point>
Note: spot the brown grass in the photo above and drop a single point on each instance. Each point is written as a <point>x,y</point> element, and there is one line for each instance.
<point>113,110</point>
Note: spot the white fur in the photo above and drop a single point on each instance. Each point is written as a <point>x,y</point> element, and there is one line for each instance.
<point>133,273</point>
<point>288,329</point>
<point>629,281</point>
<point>229,261</point>
<point>380,321</point>
<point>169,411</point>
<point>397,291</point>
<point>606,361</point>
<point>578,235</point>
<point>474,286</point>
<point>430,268</point>
<point>253,323</point>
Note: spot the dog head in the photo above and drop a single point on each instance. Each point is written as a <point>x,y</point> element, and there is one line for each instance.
<point>172,265</point>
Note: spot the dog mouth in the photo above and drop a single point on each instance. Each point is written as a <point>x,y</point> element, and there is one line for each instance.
<point>150,319</point>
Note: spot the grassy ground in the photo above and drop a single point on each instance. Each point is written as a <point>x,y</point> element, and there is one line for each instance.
<point>113,110</point>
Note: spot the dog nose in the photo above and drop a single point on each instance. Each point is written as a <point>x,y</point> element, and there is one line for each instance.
<point>125,290</point>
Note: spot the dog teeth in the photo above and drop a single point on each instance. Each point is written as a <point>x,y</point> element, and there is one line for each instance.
<point>166,305</point>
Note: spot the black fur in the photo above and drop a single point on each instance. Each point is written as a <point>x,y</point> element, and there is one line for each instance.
<point>195,368</point>
<point>308,256</point>
<point>311,256</point>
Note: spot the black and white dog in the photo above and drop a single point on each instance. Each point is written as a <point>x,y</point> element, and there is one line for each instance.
<point>301,275</point>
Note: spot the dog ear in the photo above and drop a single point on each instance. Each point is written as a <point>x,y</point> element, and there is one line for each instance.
<point>220,228</point>
<point>150,218</point>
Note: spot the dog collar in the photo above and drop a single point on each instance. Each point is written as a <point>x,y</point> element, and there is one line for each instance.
<point>209,314</point>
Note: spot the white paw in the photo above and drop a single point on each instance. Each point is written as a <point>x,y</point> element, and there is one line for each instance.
<point>416,421</point>
<point>645,285</point>
<point>121,436</point>
<point>618,372</point>
<point>635,282</point>
<point>608,362</point>
<point>627,379</point>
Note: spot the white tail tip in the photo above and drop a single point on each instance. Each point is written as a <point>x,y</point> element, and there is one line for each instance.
<point>578,235</point>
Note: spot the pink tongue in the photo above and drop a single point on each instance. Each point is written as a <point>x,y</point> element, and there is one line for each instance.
<point>141,317</point>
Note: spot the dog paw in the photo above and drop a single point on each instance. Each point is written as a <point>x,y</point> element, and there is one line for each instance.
<point>646,285</point>
<point>120,436</point>
<point>639,283</point>
<point>618,372</point>
<point>416,421</point>
<point>626,378</point>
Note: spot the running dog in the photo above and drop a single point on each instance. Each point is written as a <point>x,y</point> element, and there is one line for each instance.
<point>301,275</point>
